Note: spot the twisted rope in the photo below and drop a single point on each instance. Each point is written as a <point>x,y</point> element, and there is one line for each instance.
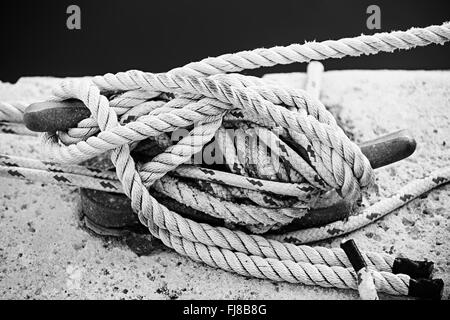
<point>12,111</point>
<point>200,96</point>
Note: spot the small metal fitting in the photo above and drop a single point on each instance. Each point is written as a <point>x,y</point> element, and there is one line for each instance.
<point>366,284</point>
<point>415,269</point>
<point>429,289</point>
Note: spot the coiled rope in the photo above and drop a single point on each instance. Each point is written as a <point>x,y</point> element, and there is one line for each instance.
<point>206,98</point>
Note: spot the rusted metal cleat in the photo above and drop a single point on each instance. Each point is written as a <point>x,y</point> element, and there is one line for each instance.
<point>52,116</point>
<point>111,214</point>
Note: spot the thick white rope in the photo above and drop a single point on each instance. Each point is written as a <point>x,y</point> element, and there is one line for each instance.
<point>92,178</point>
<point>202,97</point>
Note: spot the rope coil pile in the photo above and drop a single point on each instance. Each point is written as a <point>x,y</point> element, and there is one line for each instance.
<point>207,97</point>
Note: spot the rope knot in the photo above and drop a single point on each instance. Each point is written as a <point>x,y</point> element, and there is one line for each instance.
<point>309,155</point>
<point>306,145</point>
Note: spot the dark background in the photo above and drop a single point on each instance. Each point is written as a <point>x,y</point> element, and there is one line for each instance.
<point>159,35</point>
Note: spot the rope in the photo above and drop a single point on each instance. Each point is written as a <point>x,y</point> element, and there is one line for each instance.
<point>204,98</point>
<point>12,111</point>
<point>92,178</point>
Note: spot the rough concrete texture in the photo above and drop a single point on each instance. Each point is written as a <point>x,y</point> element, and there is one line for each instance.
<point>45,254</point>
